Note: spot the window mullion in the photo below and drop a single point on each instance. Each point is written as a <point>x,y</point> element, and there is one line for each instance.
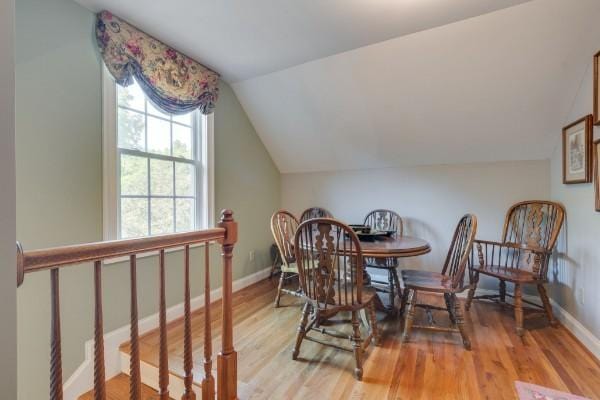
<point>196,164</point>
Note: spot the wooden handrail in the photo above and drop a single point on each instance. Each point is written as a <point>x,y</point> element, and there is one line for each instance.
<point>37,260</point>
<point>56,258</point>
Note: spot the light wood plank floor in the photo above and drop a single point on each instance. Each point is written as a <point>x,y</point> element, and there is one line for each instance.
<point>430,366</point>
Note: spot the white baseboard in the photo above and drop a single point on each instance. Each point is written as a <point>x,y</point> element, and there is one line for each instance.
<point>587,338</point>
<point>583,334</point>
<point>82,379</point>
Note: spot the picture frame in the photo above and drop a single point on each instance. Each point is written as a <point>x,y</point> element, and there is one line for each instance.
<point>577,151</point>
<point>596,150</point>
<point>596,112</point>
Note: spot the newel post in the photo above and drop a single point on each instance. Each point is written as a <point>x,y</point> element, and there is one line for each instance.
<point>227,358</point>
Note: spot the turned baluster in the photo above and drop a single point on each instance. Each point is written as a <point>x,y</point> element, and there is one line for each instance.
<point>56,390</point>
<point>163,362</point>
<point>135,383</point>
<point>99,376</point>
<point>208,382</point>
<point>188,361</point>
<point>227,359</point>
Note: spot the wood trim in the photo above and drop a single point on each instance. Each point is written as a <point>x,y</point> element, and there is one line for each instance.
<point>163,363</point>
<point>36,260</point>
<point>227,358</point>
<point>588,140</point>
<point>187,338</point>
<point>596,114</point>
<point>135,381</point>
<point>99,375</point>
<point>208,381</point>
<point>56,389</point>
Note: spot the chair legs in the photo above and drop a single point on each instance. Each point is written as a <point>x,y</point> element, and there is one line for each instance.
<point>391,287</point>
<point>460,321</point>
<point>502,291</point>
<point>518,302</point>
<point>519,309</point>
<point>547,305</point>
<point>397,282</point>
<point>472,291</point>
<point>373,323</point>
<point>279,287</point>
<point>357,346</point>
<point>410,314</point>
<point>450,307</point>
<point>404,301</point>
<point>301,330</point>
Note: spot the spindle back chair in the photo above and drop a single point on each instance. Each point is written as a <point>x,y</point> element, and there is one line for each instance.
<point>530,231</point>
<point>449,282</point>
<point>283,226</point>
<point>330,265</point>
<point>315,212</point>
<point>386,220</point>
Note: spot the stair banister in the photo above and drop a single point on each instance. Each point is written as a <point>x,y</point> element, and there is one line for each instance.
<point>54,259</point>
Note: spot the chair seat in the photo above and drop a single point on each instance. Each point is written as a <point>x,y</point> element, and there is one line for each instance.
<point>427,281</point>
<point>290,268</point>
<point>507,274</point>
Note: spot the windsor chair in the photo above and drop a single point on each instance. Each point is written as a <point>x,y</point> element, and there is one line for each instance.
<point>386,220</point>
<point>315,212</point>
<point>529,236</point>
<point>283,227</point>
<point>449,282</point>
<point>330,266</point>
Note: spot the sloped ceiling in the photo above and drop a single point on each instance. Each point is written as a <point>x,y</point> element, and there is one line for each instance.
<point>496,87</point>
<point>245,38</point>
<point>353,84</point>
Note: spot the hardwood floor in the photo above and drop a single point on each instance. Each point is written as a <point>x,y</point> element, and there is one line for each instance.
<point>430,366</point>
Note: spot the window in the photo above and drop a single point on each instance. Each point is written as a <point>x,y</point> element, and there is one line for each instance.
<point>157,170</point>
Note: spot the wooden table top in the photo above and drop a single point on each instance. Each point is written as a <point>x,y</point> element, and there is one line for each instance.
<point>402,246</point>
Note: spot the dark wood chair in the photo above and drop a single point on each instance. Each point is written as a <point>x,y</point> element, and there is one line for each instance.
<point>449,283</point>
<point>283,227</point>
<point>315,212</point>
<point>386,220</point>
<point>529,235</point>
<point>330,265</point>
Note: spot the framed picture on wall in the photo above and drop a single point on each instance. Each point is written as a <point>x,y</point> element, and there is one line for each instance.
<point>597,173</point>
<point>577,151</point>
<point>597,89</point>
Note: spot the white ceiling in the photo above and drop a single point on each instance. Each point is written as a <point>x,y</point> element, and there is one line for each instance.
<point>492,88</point>
<point>352,84</point>
<point>243,39</point>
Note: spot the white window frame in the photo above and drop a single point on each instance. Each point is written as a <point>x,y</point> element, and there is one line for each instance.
<point>110,200</point>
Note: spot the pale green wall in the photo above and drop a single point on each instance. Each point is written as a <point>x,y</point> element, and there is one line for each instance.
<point>8,293</point>
<point>59,187</point>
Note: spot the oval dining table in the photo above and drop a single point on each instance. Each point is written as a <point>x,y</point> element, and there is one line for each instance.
<point>392,247</point>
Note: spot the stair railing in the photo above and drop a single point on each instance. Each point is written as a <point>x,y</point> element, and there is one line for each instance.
<point>56,258</point>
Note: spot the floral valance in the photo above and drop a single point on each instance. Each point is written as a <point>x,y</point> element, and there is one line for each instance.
<point>172,81</point>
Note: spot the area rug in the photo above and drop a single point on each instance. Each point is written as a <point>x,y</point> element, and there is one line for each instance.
<point>528,391</point>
